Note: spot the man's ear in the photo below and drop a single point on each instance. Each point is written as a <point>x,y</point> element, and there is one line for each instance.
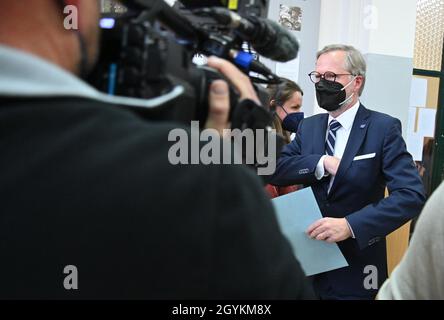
<point>359,82</point>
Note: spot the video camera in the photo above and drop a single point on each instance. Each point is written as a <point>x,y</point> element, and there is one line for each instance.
<point>148,48</point>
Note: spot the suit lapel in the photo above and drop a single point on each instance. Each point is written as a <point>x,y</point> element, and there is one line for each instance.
<point>357,135</point>
<point>319,134</point>
<point>318,138</point>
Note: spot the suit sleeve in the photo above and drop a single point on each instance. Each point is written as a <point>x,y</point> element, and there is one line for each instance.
<point>406,193</point>
<point>293,167</point>
<point>252,257</point>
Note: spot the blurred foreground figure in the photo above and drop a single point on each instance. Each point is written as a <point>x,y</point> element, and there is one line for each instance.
<point>420,274</point>
<point>90,206</point>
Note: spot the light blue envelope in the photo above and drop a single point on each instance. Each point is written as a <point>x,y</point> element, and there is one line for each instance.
<point>295,212</point>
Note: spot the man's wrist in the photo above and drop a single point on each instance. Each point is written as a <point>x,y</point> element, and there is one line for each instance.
<point>352,234</point>
<point>320,169</point>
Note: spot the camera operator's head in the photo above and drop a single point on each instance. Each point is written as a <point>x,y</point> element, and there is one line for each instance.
<point>40,27</point>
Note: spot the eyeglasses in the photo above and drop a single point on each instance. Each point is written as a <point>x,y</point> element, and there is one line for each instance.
<point>315,76</point>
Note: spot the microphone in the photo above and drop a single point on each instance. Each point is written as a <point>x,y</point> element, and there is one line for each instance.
<point>168,16</point>
<point>267,37</point>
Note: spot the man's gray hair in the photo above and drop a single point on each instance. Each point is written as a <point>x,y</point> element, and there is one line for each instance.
<point>354,61</point>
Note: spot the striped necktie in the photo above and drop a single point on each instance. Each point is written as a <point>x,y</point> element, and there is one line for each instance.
<point>331,137</point>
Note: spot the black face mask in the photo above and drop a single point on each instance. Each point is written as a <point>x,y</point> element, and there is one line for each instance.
<point>331,95</point>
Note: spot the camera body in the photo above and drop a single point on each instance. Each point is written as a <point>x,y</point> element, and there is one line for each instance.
<point>141,58</point>
<point>147,52</point>
<point>137,60</point>
<point>257,8</point>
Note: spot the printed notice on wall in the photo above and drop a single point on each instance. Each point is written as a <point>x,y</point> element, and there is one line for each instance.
<point>421,124</point>
<point>415,145</point>
<point>290,17</point>
<point>426,122</point>
<point>418,92</point>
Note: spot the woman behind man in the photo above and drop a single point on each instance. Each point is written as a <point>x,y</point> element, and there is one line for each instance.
<point>285,103</point>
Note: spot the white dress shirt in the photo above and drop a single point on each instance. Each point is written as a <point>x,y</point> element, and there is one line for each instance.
<point>346,120</point>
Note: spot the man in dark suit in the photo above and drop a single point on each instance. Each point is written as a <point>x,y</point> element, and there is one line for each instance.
<point>349,156</point>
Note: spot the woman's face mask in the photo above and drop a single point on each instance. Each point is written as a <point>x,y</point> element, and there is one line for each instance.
<point>292,120</point>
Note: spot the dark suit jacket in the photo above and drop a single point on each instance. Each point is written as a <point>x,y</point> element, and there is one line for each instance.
<point>357,192</point>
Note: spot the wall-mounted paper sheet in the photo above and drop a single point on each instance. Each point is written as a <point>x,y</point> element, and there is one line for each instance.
<point>426,122</point>
<point>418,92</point>
<point>415,145</point>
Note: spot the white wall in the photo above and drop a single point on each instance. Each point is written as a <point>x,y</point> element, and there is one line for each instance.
<point>373,26</point>
<point>395,32</point>
<point>344,21</point>
<point>384,31</point>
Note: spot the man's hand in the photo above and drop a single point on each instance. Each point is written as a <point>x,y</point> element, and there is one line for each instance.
<point>331,164</point>
<point>219,94</point>
<point>330,230</point>
<point>238,79</point>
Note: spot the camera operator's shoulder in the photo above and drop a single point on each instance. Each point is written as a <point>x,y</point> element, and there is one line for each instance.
<point>102,139</point>
<point>166,148</point>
